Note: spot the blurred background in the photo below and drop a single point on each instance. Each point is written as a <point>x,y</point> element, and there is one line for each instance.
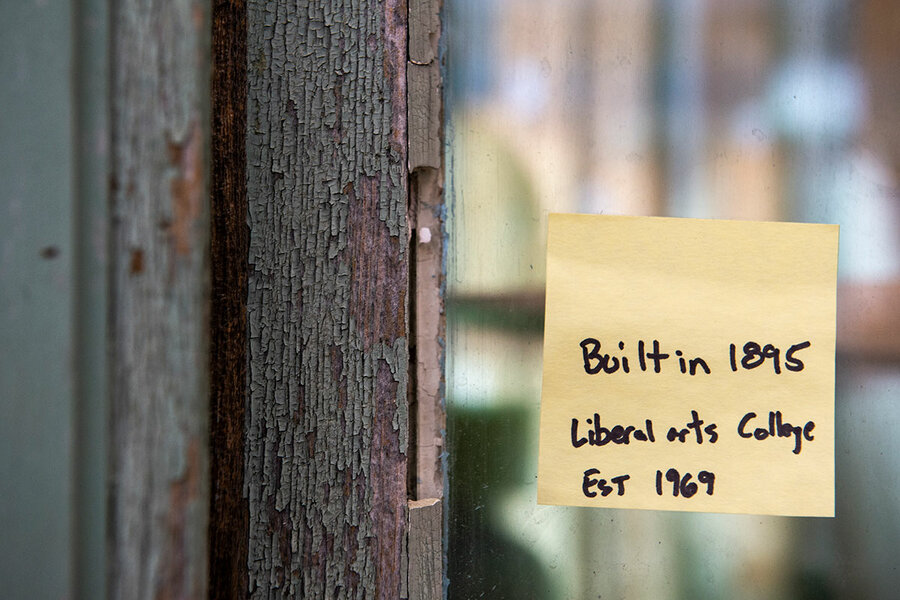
<point>736,109</point>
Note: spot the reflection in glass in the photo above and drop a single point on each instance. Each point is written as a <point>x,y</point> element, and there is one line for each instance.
<point>744,109</point>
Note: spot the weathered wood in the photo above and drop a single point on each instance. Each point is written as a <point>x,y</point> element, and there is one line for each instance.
<point>424,30</point>
<point>228,530</point>
<point>425,88</point>
<point>425,145</point>
<point>430,326</point>
<point>159,299</point>
<point>327,304</point>
<point>426,190</point>
<point>425,526</point>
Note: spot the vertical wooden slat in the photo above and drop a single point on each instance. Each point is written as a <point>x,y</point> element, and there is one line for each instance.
<point>53,299</point>
<point>426,166</point>
<point>91,428</point>
<point>159,298</point>
<point>37,261</point>
<point>327,304</point>
<point>425,558</point>
<point>228,531</point>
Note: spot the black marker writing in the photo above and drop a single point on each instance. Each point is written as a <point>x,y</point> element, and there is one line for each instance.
<point>755,355</point>
<point>778,428</point>
<point>618,434</point>
<point>596,361</point>
<point>605,490</point>
<point>693,425</point>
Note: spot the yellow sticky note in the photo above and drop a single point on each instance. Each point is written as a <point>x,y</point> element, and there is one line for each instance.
<point>689,365</point>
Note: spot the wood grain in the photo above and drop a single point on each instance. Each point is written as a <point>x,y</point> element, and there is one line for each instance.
<point>229,243</point>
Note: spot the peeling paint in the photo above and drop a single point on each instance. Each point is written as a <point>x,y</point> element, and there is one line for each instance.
<point>327,375</point>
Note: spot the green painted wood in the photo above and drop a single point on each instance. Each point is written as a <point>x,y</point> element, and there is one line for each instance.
<point>91,427</point>
<point>36,300</point>
<point>56,299</point>
<point>53,221</point>
<point>328,298</point>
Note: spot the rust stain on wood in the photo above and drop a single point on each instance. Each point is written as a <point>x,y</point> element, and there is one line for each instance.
<point>184,493</point>
<point>136,262</point>
<point>187,188</point>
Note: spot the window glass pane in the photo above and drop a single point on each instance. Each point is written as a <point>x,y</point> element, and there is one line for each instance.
<point>738,109</point>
